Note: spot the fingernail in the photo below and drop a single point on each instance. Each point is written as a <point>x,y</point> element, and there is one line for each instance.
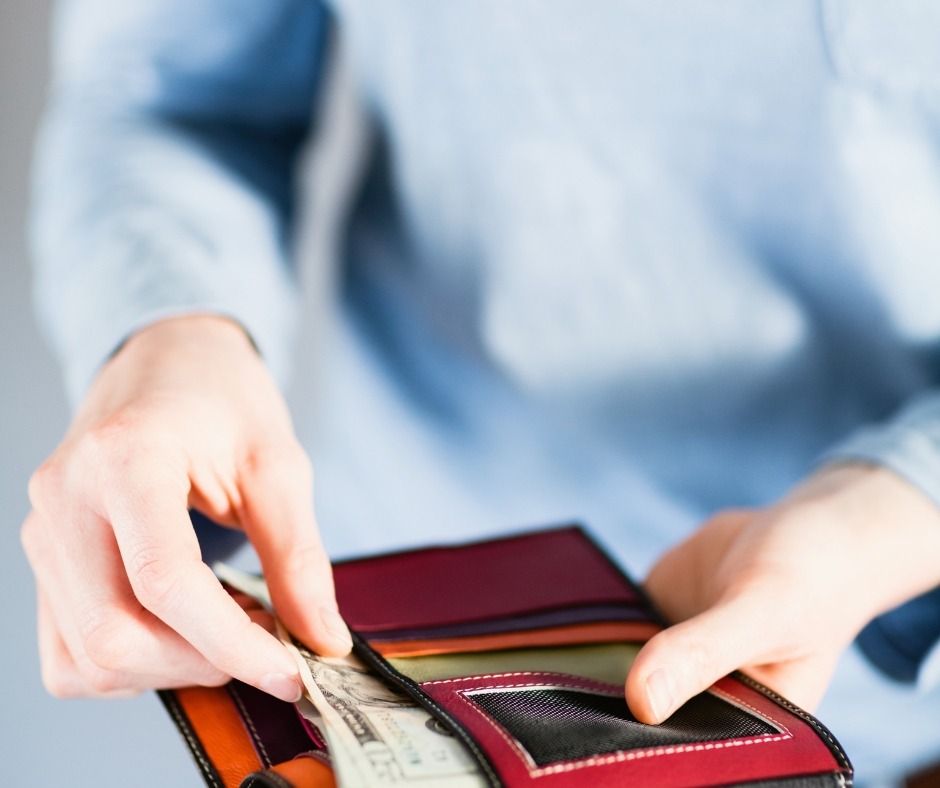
<point>282,686</point>
<point>335,627</point>
<point>661,693</point>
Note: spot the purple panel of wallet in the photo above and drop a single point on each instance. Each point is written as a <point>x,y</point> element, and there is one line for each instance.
<point>511,578</point>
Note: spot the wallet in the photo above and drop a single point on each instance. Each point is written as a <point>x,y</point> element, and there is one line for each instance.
<point>518,647</point>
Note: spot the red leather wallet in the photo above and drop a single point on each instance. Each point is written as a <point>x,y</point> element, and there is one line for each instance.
<point>518,647</point>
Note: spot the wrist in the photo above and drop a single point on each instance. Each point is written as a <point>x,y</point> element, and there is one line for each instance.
<point>889,530</point>
<point>167,357</point>
<point>187,330</point>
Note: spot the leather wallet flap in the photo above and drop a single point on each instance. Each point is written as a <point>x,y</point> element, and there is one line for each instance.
<point>545,572</point>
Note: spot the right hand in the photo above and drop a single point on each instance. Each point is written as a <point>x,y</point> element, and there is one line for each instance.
<point>184,415</point>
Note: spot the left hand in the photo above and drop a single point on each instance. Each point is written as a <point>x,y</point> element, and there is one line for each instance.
<point>780,592</point>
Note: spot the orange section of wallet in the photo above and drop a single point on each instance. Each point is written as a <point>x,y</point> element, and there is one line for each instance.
<point>306,773</point>
<point>574,634</point>
<point>220,730</point>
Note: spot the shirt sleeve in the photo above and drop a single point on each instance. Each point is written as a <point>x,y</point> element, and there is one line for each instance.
<point>905,642</point>
<point>164,169</point>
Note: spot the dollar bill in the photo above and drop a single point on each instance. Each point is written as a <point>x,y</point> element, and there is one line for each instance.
<point>376,735</point>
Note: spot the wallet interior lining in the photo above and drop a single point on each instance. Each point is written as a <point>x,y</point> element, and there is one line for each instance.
<point>555,724</point>
<point>604,662</point>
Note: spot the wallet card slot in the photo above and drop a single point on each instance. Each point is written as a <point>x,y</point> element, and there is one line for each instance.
<point>600,632</point>
<point>544,728</point>
<point>426,592</point>
<point>554,722</point>
<point>604,662</point>
<point>581,614</point>
<point>276,731</point>
<point>789,742</point>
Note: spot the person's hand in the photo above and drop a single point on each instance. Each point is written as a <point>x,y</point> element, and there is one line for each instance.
<point>184,415</point>
<point>780,592</point>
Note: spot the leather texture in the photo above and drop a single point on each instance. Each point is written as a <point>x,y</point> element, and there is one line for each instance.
<point>793,749</point>
<point>276,730</point>
<point>542,620</point>
<point>496,579</point>
<point>562,571</point>
<point>215,732</point>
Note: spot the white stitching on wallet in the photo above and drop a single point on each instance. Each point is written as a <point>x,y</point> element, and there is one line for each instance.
<point>600,686</point>
<point>736,701</point>
<point>484,676</point>
<point>632,755</point>
<point>183,726</point>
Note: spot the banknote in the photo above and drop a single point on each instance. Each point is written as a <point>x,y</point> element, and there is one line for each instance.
<point>376,735</point>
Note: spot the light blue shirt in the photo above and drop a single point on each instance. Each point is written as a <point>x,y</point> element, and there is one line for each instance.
<point>620,262</point>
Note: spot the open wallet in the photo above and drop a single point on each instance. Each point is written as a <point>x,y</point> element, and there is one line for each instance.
<point>501,663</point>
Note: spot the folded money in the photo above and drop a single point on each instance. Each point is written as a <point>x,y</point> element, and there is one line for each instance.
<point>376,735</point>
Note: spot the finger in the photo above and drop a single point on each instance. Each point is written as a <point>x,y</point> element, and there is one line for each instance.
<point>688,658</point>
<point>111,648</point>
<point>681,581</point>
<point>63,678</point>
<point>60,675</point>
<point>161,556</point>
<point>279,520</point>
<point>59,662</point>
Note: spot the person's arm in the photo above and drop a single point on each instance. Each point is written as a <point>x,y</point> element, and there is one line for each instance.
<point>852,553</point>
<point>163,197</point>
<point>164,171</point>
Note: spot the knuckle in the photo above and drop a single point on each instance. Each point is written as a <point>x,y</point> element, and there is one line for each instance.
<point>32,538</point>
<point>306,560</point>
<point>58,683</point>
<point>705,663</point>
<point>698,659</point>
<point>100,681</point>
<point>104,443</point>
<point>104,640</point>
<point>156,580</point>
<point>45,484</point>
<point>285,463</point>
<point>125,445</point>
<point>214,678</point>
<point>699,656</point>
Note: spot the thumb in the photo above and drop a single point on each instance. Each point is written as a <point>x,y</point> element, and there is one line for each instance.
<point>279,520</point>
<point>688,658</point>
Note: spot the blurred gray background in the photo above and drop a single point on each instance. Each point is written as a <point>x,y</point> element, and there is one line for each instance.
<point>45,741</point>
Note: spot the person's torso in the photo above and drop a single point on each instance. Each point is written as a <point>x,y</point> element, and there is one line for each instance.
<point>699,240</point>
